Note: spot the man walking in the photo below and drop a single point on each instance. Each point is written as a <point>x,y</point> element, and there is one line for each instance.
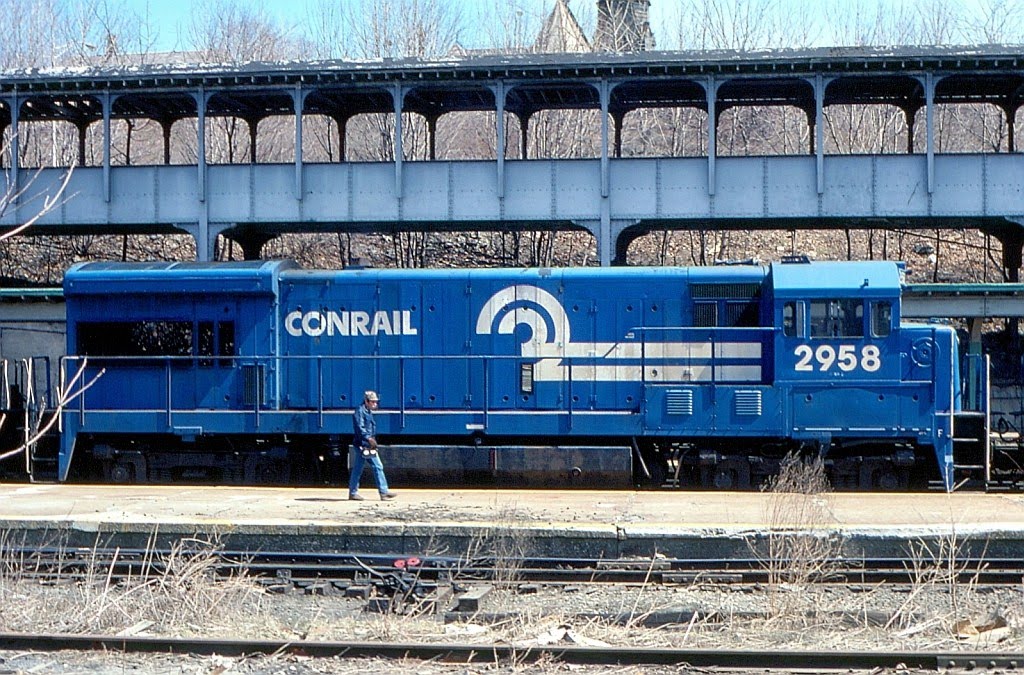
<point>364,441</point>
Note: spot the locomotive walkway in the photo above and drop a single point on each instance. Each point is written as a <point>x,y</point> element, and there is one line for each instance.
<point>592,524</point>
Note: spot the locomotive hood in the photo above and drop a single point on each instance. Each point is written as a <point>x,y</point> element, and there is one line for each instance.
<point>174,277</point>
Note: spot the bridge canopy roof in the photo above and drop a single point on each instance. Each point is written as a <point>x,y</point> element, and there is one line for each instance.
<point>531,82</point>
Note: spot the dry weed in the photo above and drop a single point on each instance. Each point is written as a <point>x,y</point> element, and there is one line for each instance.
<point>503,547</point>
<point>800,547</point>
<point>938,596</point>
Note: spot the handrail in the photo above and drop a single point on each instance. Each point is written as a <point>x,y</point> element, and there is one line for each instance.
<point>170,366</point>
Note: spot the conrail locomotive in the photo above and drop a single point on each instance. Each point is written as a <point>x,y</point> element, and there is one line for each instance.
<point>249,372</point>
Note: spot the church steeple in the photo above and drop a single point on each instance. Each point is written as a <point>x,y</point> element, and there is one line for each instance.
<point>561,32</point>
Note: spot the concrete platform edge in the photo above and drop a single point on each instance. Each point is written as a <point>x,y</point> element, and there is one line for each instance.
<point>537,539</point>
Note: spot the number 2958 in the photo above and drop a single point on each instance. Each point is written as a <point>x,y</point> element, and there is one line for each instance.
<point>844,357</point>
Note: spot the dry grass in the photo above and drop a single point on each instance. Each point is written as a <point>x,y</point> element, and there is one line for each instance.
<point>185,600</point>
<point>172,593</point>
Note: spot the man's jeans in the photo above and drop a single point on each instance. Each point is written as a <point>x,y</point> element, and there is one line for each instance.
<point>357,471</point>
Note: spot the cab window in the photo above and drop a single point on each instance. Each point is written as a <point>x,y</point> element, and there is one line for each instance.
<point>837,318</point>
<point>881,319</point>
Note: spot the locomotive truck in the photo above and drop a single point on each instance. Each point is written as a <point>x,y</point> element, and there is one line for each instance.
<point>248,373</point>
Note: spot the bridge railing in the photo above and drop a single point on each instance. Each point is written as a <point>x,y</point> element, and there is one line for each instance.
<point>458,193</point>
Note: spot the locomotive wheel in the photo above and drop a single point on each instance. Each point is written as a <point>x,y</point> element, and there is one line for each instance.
<point>725,479</point>
<point>122,473</point>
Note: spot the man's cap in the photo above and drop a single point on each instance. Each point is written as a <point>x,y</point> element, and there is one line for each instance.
<point>370,396</point>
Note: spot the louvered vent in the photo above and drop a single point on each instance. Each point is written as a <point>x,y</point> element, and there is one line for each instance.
<point>748,402</point>
<point>725,291</point>
<point>679,402</point>
<point>252,385</point>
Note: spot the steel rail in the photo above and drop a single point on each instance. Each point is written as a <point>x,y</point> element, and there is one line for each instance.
<point>298,567</point>
<point>773,660</point>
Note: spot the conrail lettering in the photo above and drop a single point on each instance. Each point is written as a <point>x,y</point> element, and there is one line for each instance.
<point>349,324</point>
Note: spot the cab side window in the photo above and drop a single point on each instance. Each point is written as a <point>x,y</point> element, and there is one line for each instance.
<point>789,319</point>
<point>881,319</point>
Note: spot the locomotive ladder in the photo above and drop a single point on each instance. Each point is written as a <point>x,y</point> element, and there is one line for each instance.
<point>972,447</point>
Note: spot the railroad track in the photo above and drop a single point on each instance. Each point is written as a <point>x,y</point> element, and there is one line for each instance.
<point>764,661</point>
<point>299,568</point>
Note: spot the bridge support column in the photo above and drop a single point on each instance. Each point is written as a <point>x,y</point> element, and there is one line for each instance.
<point>398,98</point>
<point>1012,240</point>
<point>605,241</point>
<point>524,136</point>
<point>108,102</point>
<point>613,238</point>
<point>625,232</point>
<point>252,244</point>
<point>818,133</point>
<point>165,126</point>
<point>250,241</point>
<point>342,122</point>
<point>499,140</point>
<point>83,129</point>
<point>617,119</point>
<point>201,99</point>
<point>712,97</point>
<point>299,101</point>
<point>253,123</point>
<point>15,106</point>
<point>929,103</point>
<point>1013,252</point>
<point>1011,120</point>
<point>431,137</point>
<point>909,115</point>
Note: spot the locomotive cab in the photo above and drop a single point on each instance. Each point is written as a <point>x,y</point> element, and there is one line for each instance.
<point>862,387</point>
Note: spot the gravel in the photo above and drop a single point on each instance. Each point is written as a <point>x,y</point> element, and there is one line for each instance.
<point>886,617</point>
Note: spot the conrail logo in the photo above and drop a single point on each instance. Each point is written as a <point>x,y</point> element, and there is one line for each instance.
<point>349,324</point>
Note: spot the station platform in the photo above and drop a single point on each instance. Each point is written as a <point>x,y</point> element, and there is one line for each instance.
<point>578,524</point>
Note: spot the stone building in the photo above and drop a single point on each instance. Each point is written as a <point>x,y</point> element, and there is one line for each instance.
<point>623,26</point>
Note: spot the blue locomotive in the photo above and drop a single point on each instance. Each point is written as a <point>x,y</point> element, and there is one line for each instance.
<point>248,372</point>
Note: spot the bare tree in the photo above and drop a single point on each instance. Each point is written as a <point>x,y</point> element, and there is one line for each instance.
<point>41,202</point>
<point>384,29</point>
<point>994,21</point>
<point>743,25</point>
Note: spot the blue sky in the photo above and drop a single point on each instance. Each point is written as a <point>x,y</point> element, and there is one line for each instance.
<point>172,16</point>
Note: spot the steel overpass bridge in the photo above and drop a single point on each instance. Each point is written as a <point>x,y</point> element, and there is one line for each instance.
<point>616,198</point>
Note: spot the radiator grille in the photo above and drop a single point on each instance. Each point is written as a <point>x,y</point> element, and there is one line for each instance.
<point>705,314</point>
<point>725,291</point>
<point>253,378</point>
<point>679,402</point>
<point>748,402</point>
